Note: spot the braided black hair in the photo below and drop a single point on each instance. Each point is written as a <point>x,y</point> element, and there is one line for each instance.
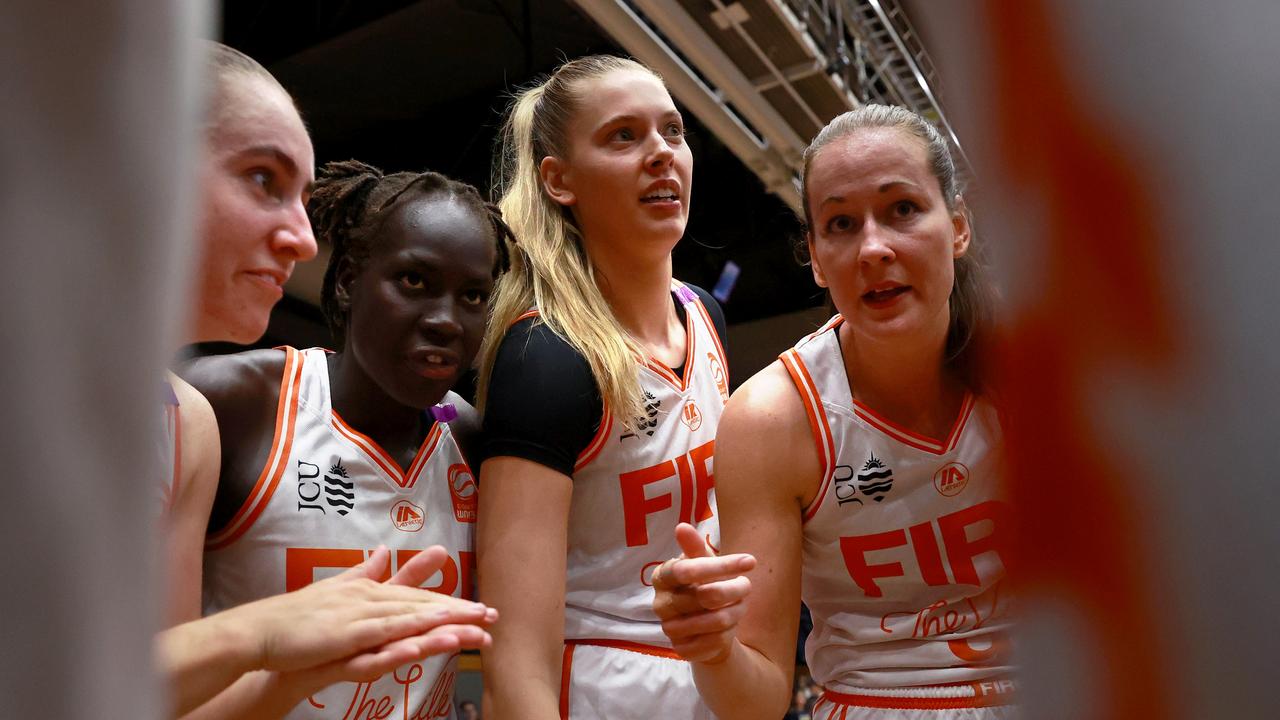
<point>350,201</point>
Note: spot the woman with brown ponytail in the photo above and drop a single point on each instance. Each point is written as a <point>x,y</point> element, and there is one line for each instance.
<point>602,382</point>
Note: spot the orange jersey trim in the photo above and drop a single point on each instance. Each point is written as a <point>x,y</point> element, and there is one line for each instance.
<point>980,698</point>
<point>598,442</point>
<point>384,460</point>
<point>629,646</point>
<point>822,438</point>
<point>913,439</point>
<point>566,674</point>
<point>277,459</point>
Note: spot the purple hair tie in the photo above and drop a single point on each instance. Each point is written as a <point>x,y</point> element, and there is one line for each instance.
<point>685,295</point>
<point>444,412</point>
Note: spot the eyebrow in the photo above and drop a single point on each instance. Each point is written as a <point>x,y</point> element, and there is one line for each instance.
<point>281,157</point>
<point>672,113</point>
<point>886,187</point>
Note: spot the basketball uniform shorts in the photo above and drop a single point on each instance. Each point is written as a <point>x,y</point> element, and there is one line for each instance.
<point>616,680</point>
<point>988,700</point>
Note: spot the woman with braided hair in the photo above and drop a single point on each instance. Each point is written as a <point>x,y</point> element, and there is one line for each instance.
<point>329,456</point>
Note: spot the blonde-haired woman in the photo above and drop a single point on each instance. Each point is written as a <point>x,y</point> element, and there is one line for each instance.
<point>602,383</point>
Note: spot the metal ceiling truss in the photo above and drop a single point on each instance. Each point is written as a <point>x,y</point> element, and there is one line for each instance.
<point>766,75</point>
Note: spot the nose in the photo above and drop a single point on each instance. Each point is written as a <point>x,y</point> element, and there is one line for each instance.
<point>439,321</point>
<point>661,155</point>
<point>294,238</point>
<point>876,246</point>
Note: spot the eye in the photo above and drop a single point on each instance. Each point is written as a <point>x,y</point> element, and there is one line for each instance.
<point>264,179</point>
<point>475,297</point>
<point>905,208</point>
<point>412,280</point>
<point>839,224</point>
<point>623,134</point>
<point>675,130</point>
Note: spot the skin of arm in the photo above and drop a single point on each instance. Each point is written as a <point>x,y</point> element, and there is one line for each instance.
<point>188,516</point>
<point>369,627</point>
<point>203,658</point>
<point>741,637</point>
<point>521,542</point>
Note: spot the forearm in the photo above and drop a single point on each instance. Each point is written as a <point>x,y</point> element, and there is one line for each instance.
<point>199,659</point>
<point>745,686</point>
<point>261,695</point>
<point>520,682</point>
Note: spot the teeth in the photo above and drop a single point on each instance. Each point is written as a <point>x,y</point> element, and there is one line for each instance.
<point>661,195</point>
<point>435,359</point>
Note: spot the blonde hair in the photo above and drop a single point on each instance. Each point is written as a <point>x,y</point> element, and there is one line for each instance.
<point>550,269</point>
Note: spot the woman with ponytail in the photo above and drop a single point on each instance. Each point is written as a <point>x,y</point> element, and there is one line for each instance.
<point>328,459</point>
<point>602,381</point>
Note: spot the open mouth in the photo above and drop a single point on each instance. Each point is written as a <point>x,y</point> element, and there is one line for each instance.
<point>885,295</point>
<point>437,364</point>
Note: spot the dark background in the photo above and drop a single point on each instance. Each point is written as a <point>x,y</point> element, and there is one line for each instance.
<point>422,85</point>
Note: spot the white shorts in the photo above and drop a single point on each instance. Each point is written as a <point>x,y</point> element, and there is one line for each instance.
<point>618,680</point>
<point>983,700</point>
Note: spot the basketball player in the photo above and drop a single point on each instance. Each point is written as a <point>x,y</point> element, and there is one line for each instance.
<point>861,470</point>
<point>602,383</point>
<point>326,456</point>
<point>256,176</point>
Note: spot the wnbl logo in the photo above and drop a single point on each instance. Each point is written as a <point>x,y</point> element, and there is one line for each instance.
<point>874,481</point>
<point>338,489</point>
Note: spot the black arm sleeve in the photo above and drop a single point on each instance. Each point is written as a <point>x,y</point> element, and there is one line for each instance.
<point>543,404</point>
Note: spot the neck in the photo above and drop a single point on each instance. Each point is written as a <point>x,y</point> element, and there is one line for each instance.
<point>366,407</point>
<point>903,381</point>
<point>640,297</point>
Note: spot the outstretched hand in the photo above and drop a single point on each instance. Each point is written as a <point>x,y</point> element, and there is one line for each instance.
<point>699,597</point>
<point>360,627</point>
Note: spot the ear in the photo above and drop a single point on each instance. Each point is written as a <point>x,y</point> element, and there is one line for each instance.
<point>818,276</point>
<point>343,280</point>
<point>555,180</point>
<point>960,224</point>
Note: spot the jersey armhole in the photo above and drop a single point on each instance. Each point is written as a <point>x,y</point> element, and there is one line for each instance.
<point>277,458</point>
<point>818,425</point>
<point>598,441</point>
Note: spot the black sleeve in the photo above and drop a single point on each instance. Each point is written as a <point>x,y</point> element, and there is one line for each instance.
<point>716,313</point>
<point>543,404</point>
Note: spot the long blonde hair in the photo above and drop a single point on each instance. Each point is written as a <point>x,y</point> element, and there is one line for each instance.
<point>550,269</point>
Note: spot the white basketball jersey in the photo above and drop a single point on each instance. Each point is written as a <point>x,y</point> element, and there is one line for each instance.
<point>329,496</point>
<point>632,486</point>
<point>906,541</point>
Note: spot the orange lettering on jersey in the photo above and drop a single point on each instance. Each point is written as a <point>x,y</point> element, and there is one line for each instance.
<point>300,564</point>
<point>961,551</point>
<point>636,507</point>
<point>695,484</point>
<point>855,549</point>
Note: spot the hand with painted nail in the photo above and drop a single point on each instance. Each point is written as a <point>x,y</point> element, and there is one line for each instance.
<point>699,597</point>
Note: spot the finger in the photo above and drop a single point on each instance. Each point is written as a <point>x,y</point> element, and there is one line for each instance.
<point>696,571</point>
<point>707,621</point>
<point>375,567</point>
<point>421,566</point>
<point>715,595</point>
<point>712,647</point>
<point>691,541</point>
<point>375,593</point>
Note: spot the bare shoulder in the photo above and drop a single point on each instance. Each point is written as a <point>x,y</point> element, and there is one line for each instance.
<point>199,424</point>
<point>465,428</point>
<point>764,437</point>
<point>221,377</point>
